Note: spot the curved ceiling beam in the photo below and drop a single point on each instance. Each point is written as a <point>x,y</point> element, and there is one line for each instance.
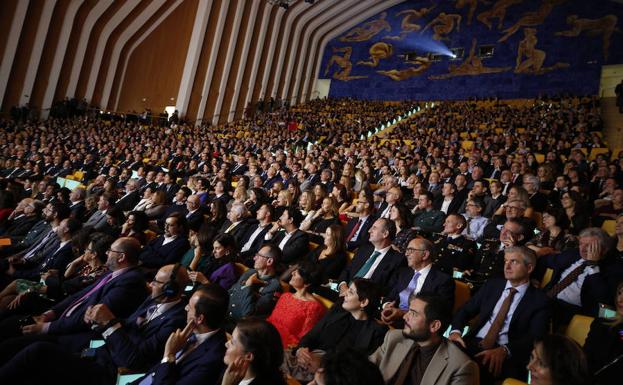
<point>127,33</point>
<point>11,46</point>
<point>326,15</point>
<point>138,41</point>
<point>243,59</point>
<point>111,25</point>
<point>294,11</point>
<point>207,82</point>
<point>37,50</point>
<point>271,51</point>
<point>193,55</point>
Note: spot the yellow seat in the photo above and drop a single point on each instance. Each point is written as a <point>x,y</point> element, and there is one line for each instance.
<point>79,175</point>
<point>467,145</point>
<point>312,245</point>
<point>597,151</point>
<point>539,158</point>
<point>292,381</point>
<point>462,294</point>
<point>547,277</point>
<point>578,328</point>
<point>463,135</point>
<point>512,381</point>
<point>609,226</point>
<point>350,255</point>
<point>240,268</point>
<point>150,235</point>
<point>324,301</point>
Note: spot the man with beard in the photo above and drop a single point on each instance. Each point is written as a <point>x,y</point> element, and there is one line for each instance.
<point>419,354</point>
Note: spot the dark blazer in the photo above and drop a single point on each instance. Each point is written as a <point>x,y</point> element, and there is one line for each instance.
<point>295,248</point>
<point>140,347</point>
<point>195,219</point>
<point>155,255</point>
<point>122,295</point>
<point>18,228</point>
<point>593,292</point>
<point>202,366</point>
<point>127,202</point>
<point>385,273</point>
<point>257,242</point>
<point>453,208</point>
<point>78,211</point>
<point>363,235</point>
<point>530,320</point>
<point>436,282</point>
<point>237,232</point>
<point>58,260</point>
<point>327,268</point>
<point>331,328</point>
<point>602,346</point>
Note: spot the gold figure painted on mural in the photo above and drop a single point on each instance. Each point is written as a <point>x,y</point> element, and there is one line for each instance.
<point>497,11</point>
<point>530,59</point>
<point>367,30</point>
<point>603,26</point>
<point>378,51</point>
<point>470,67</point>
<point>532,19</point>
<point>472,4</point>
<point>343,62</point>
<point>444,24</point>
<point>422,64</point>
<point>408,23</point>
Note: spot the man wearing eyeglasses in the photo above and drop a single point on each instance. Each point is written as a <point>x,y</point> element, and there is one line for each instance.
<point>418,276</point>
<point>514,208</point>
<point>254,293</point>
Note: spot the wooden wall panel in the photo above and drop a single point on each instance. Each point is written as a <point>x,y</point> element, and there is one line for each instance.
<point>47,56</point>
<point>257,87</point>
<point>204,61</point>
<point>155,67</point>
<point>7,9</point>
<point>22,56</point>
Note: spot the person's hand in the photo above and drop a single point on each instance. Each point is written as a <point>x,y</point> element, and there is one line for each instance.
<point>16,301</point>
<point>391,314</point>
<point>456,337</point>
<point>11,269</point>
<point>593,251</point>
<point>32,329</point>
<point>493,359</point>
<point>197,276</point>
<point>99,314</point>
<point>176,340</point>
<point>342,288</point>
<point>254,280</point>
<point>236,371</point>
<point>48,316</point>
<point>303,357</point>
<point>509,240</point>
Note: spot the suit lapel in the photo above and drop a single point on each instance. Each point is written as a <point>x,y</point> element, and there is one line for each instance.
<point>436,365</point>
<point>398,355</point>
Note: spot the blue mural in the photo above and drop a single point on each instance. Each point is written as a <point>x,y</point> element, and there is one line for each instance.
<point>437,50</point>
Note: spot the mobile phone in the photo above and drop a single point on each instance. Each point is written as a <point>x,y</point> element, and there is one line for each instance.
<point>334,286</point>
<point>606,312</point>
<point>457,274</point>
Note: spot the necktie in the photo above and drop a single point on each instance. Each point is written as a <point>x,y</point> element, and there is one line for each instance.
<point>231,227</point>
<point>354,231</point>
<point>142,321</point>
<point>492,335</point>
<point>40,245</point>
<point>366,266</point>
<point>469,222</point>
<point>568,280</point>
<point>404,295</point>
<point>70,309</point>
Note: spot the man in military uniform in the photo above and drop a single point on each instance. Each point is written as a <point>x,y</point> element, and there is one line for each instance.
<point>489,261</point>
<point>454,251</point>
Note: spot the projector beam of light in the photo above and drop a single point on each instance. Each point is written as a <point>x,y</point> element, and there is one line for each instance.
<point>426,44</point>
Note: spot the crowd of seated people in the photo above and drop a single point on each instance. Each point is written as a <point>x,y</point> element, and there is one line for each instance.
<point>177,234</point>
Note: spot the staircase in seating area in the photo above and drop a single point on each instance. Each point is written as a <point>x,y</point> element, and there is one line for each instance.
<point>613,124</point>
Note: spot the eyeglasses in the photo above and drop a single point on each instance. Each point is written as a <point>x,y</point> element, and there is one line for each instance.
<point>412,250</point>
<point>262,256</point>
<point>513,207</point>
<point>114,251</point>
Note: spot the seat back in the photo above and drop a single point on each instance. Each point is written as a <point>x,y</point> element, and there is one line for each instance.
<point>579,327</point>
<point>462,294</point>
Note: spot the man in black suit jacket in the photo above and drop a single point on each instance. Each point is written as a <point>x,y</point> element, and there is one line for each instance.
<point>122,291</point>
<point>194,212</point>
<point>136,343</point>
<point>585,288</point>
<point>294,243</point>
<point>23,218</point>
<point>236,224</point>
<point>357,229</point>
<point>194,356</point>
<point>377,261</point>
<point>169,247</point>
<point>77,206</point>
<point>253,238</point>
<point>512,314</point>
<point>131,196</point>
<point>418,276</point>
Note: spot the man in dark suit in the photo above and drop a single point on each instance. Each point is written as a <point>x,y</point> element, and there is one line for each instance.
<point>169,247</point>
<point>194,212</point>
<point>253,238</point>
<point>511,315</point>
<point>357,229</point>
<point>23,218</point>
<point>377,261</point>
<point>577,284</point>
<point>418,276</point>
<point>136,343</point>
<point>76,203</point>
<point>131,196</point>
<point>122,291</point>
<point>236,224</point>
<point>538,200</point>
<point>294,243</point>
<point>169,186</point>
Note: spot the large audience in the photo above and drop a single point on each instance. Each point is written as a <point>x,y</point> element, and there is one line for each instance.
<point>458,246</point>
